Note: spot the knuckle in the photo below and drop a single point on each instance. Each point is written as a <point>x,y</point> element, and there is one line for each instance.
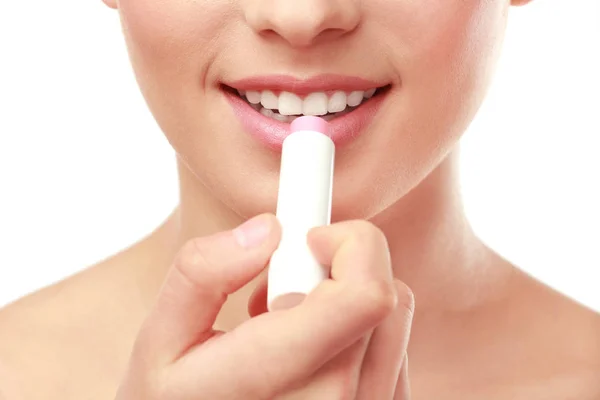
<point>192,252</point>
<point>369,234</point>
<point>381,297</point>
<point>191,261</point>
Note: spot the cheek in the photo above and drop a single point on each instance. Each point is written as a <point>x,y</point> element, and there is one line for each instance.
<point>444,52</point>
<point>176,47</point>
<point>446,57</point>
<point>164,32</point>
<point>157,33</point>
<point>443,35</point>
<point>449,54</point>
<point>170,44</point>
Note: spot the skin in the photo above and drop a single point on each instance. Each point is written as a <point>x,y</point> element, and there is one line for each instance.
<point>473,325</point>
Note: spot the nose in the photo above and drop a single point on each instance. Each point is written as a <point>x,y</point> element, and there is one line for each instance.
<point>302,23</point>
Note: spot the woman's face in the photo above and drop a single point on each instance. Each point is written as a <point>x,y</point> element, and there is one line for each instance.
<point>434,58</point>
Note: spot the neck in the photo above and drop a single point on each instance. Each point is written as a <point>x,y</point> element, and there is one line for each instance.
<point>433,248</point>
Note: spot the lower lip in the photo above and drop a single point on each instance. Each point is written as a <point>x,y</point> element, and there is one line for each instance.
<point>271,132</point>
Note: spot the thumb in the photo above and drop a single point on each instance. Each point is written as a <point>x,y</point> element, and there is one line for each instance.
<point>205,271</point>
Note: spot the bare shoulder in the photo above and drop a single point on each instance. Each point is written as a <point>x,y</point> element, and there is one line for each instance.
<point>573,326</point>
<point>67,338</point>
<point>534,344</point>
<point>31,342</point>
<point>563,338</point>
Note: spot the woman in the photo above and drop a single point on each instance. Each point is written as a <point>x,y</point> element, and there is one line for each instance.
<point>401,80</point>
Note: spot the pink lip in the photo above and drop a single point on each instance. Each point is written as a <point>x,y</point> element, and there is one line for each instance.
<point>319,83</point>
<point>272,132</point>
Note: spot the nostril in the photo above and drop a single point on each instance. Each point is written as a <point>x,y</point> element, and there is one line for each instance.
<point>269,33</point>
<point>302,23</point>
<point>302,37</point>
<point>332,33</point>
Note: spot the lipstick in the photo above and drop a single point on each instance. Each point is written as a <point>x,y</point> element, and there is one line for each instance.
<point>304,202</point>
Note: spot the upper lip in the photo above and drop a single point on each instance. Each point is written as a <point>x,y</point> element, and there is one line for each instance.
<point>318,83</point>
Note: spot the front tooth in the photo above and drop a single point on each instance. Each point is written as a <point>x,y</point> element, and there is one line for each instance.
<point>289,104</point>
<point>337,102</point>
<point>279,117</point>
<point>269,100</point>
<point>355,98</point>
<point>253,97</point>
<point>315,104</point>
<point>266,112</point>
<point>369,93</point>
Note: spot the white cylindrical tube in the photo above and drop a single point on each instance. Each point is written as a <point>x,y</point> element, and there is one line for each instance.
<point>304,202</point>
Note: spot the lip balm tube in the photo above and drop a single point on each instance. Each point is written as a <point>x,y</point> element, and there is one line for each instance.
<point>304,202</point>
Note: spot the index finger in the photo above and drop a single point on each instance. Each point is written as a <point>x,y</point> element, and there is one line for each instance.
<point>357,251</point>
<point>205,271</point>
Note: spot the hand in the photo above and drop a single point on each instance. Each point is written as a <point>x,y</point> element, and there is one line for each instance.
<point>376,366</point>
<point>347,340</point>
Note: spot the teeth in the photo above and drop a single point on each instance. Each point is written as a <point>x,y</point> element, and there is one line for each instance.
<point>315,104</point>
<point>289,104</point>
<point>369,93</point>
<point>253,97</point>
<point>355,98</point>
<point>289,118</point>
<point>329,117</point>
<point>337,102</point>
<point>272,114</point>
<point>282,118</point>
<point>269,100</point>
<point>266,112</point>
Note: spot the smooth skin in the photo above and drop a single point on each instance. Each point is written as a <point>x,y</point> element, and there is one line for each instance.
<point>181,314</point>
<point>347,340</point>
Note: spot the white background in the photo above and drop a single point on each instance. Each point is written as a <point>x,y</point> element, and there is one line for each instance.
<point>85,171</point>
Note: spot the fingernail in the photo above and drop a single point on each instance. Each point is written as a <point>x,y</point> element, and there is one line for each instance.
<point>253,232</point>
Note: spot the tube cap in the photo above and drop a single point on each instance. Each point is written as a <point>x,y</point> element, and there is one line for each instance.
<point>309,123</point>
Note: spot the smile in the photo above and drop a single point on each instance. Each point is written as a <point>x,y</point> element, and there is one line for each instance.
<point>267,105</point>
<point>286,106</point>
